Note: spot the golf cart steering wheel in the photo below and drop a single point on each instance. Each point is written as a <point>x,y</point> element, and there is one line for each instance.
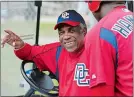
<point>39,81</point>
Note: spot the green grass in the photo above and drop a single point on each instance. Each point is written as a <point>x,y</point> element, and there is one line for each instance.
<point>27,27</point>
<point>48,29</point>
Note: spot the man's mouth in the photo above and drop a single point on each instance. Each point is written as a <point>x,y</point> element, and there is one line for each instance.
<point>69,43</point>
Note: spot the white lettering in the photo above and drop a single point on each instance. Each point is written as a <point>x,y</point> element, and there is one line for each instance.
<point>124,26</point>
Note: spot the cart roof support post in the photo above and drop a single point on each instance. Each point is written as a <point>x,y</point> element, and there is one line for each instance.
<point>38,4</point>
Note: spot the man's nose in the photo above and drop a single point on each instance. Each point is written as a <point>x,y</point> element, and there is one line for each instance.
<point>67,36</point>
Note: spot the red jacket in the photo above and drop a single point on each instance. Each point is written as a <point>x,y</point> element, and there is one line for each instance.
<point>69,84</point>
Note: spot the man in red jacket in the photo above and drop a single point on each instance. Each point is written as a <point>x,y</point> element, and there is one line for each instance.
<point>75,78</point>
<point>109,43</point>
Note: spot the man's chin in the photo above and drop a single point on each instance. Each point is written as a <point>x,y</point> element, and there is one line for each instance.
<point>71,50</point>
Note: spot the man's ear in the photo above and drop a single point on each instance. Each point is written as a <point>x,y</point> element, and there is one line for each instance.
<point>84,31</point>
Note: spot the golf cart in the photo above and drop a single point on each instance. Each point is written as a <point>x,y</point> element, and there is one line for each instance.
<point>39,81</point>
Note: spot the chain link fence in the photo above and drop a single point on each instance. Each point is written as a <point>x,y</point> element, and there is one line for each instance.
<point>27,10</point>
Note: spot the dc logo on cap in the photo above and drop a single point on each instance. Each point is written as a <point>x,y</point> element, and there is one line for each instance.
<point>65,15</point>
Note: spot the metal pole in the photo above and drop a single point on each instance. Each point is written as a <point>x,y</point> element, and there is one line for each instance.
<point>38,4</point>
<point>130,5</point>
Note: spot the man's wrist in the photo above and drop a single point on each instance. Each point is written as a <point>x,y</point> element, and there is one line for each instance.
<point>19,47</point>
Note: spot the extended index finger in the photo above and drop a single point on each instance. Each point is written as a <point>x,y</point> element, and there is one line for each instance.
<point>9,32</point>
<point>5,40</point>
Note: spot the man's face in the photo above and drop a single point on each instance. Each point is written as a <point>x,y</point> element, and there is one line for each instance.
<point>71,38</point>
